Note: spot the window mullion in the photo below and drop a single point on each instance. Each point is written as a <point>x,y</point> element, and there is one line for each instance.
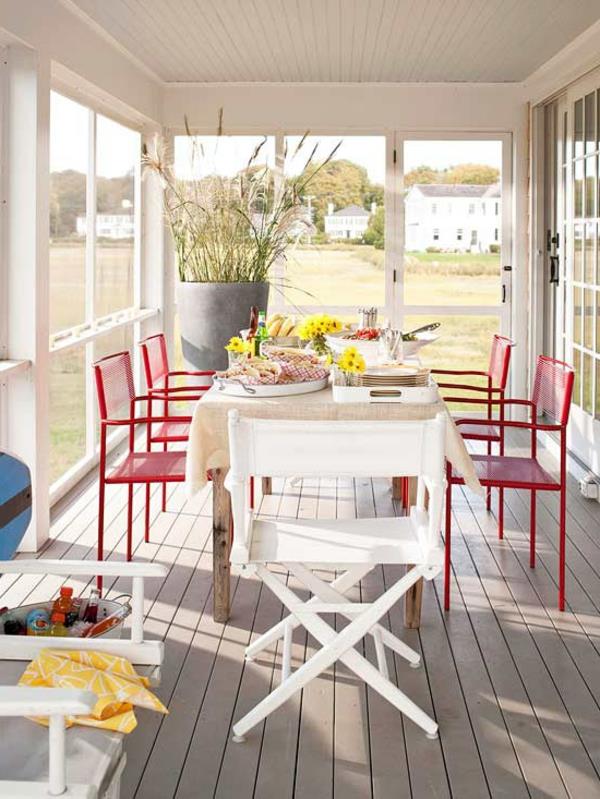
<point>90,284</point>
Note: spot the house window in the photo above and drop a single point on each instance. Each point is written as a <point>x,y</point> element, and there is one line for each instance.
<point>94,264</point>
<point>496,209</point>
<point>471,208</point>
<point>434,208</point>
<point>436,234</point>
<point>473,238</point>
<point>496,234</point>
<point>483,209</point>
<point>459,234</point>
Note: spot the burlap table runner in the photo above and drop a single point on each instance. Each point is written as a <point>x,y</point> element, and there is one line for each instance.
<point>208,445</point>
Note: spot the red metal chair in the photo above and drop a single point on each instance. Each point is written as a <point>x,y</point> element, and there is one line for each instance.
<point>552,391</point>
<point>497,378</point>
<point>116,395</point>
<point>176,429</point>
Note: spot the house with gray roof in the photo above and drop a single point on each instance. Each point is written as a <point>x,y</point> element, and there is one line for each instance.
<point>453,217</point>
<point>350,222</point>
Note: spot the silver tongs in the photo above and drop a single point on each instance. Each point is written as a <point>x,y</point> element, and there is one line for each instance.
<point>392,343</point>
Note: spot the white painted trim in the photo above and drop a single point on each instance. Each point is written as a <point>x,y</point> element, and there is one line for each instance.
<point>8,367</point>
<point>97,329</point>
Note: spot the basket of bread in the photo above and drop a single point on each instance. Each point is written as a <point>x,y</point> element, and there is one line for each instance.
<point>281,371</point>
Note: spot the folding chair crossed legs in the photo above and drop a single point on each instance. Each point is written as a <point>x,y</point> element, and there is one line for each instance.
<point>353,547</point>
<point>339,645</point>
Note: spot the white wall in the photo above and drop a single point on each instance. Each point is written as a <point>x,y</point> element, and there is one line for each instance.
<point>58,35</point>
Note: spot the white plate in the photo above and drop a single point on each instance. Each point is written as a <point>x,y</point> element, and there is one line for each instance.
<point>393,370</point>
<point>236,389</point>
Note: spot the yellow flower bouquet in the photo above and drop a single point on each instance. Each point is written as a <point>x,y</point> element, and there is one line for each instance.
<point>348,366</point>
<point>238,349</point>
<point>314,328</point>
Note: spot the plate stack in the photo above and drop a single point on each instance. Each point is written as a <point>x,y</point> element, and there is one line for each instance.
<point>394,375</point>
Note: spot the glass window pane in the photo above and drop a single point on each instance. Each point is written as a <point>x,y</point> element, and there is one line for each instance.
<point>588,376</point>
<point>117,160</point>
<point>578,253</point>
<point>597,293</point>
<point>67,410</point>
<point>578,187</point>
<point>68,177</point>
<point>454,258</point>
<point>341,261</point>
<point>588,322</point>
<point>578,128</point>
<point>577,315</point>
<point>590,122</point>
<point>597,370</point>
<point>590,235</point>
<point>590,186</point>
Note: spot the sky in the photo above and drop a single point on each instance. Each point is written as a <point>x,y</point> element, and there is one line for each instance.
<point>117,146</point>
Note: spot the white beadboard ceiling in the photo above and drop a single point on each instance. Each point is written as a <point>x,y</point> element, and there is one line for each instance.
<point>341,40</point>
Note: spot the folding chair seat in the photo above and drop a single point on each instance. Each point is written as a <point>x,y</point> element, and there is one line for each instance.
<point>350,547</point>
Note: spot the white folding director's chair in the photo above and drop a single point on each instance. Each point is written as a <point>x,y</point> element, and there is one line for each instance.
<point>351,546</point>
<point>84,763</point>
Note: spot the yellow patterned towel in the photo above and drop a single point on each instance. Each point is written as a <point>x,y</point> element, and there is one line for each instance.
<point>113,680</point>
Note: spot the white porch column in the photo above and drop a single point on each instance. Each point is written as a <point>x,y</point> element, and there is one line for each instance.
<point>27,258</point>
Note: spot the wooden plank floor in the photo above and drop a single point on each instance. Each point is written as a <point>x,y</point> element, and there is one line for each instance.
<point>514,685</point>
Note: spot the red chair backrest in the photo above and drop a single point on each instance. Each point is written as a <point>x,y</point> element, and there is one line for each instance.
<point>114,384</point>
<point>500,360</point>
<point>553,388</point>
<point>155,358</point>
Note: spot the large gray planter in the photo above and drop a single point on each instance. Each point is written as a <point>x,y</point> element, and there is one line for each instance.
<point>210,314</point>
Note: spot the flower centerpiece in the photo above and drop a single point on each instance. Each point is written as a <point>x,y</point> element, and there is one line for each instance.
<point>314,329</point>
<point>238,350</point>
<point>348,366</point>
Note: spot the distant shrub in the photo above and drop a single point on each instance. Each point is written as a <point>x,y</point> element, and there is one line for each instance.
<point>494,249</point>
<point>433,249</point>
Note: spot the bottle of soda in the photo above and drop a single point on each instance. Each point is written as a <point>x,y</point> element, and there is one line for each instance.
<point>64,602</point>
<point>57,625</point>
<point>91,612</point>
<point>262,333</point>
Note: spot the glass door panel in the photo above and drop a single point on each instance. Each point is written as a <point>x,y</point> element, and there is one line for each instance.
<point>339,262</point>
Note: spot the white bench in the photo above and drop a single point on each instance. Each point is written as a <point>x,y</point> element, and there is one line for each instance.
<point>82,762</point>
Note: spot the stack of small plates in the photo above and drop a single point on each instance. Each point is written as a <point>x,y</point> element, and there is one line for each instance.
<point>395,375</point>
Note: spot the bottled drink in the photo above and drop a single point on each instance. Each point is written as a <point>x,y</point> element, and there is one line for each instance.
<point>261,333</point>
<point>91,611</point>
<point>38,622</point>
<point>57,625</point>
<point>64,603</point>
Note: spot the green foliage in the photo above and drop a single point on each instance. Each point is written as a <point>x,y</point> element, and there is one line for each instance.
<point>342,183</point>
<point>375,232</point>
<point>469,174</point>
<point>68,197</point>
<point>494,248</point>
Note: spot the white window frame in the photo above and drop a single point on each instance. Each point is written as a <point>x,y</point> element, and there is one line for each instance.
<point>93,328</point>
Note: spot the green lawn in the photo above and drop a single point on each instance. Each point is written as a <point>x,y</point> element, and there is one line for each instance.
<point>327,275</point>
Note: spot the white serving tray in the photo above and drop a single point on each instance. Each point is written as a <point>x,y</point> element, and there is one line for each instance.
<point>234,388</point>
<point>416,395</point>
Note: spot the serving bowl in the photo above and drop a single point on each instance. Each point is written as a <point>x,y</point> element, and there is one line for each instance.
<point>370,350</point>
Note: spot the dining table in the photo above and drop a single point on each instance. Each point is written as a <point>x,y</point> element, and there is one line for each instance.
<point>208,453</point>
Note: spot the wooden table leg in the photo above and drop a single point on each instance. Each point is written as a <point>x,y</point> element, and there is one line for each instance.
<point>267,486</point>
<point>221,543</point>
<point>412,604</point>
<point>397,487</point>
<point>414,597</point>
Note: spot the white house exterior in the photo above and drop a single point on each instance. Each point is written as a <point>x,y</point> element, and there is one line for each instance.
<point>109,226</point>
<point>350,222</point>
<point>458,217</point>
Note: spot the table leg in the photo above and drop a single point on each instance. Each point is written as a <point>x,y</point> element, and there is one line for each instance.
<point>412,604</point>
<point>221,543</point>
<point>267,486</point>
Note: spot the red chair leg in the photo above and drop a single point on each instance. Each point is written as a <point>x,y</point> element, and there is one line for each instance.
<point>164,498</point>
<point>406,493</point>
<point>562,548</point>
<point>129,521</point>
<point>147,515</point>
<point>500,513</point>
<point>101,493</point>
<point>532,531</point>
<point>488,493</point>
<point>252,493</point>
<point>447,544</point>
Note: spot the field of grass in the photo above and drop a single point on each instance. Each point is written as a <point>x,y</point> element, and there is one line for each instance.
<point>328,275</point>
